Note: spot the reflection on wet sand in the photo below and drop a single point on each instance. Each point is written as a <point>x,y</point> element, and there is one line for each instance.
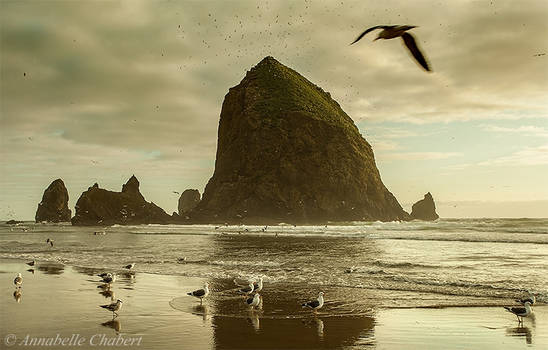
<point>521,332</point>
<point>281,333</point>
<point>200,310</point>
<point>253,319</point>
<point>107,293</point>
<point>51,268</point>
<point>282,323</point>
<point>17,295</point>
<point>115,324</point>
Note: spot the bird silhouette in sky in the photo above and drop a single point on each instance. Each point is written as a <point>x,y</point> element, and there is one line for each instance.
<point>390,32</point>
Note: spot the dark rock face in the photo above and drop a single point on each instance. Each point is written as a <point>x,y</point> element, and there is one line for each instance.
<point>54,204</point>
<point>287,152</point>
<point>98,206</point>
<point>425,209</point>
<point>189,200</point>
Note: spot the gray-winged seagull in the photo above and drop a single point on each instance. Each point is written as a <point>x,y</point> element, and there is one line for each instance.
<point>201,293</point>
<point>113,307</point>
<point>521,311</point>
<point>315,304</point>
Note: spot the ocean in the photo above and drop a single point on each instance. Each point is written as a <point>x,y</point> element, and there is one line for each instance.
<point>360,265</point>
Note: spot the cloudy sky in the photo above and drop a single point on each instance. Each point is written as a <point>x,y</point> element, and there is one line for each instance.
<point>97,91</point>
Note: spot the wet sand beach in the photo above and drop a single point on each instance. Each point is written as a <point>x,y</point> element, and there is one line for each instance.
<point>62,301</point>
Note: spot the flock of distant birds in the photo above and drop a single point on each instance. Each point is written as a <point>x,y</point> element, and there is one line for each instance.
<point>254,299</point>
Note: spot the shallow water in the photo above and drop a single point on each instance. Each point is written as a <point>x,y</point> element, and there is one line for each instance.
<point>401,264</point>
<point>62,300</point>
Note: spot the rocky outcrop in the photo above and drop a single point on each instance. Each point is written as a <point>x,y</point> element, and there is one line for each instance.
<point>54,204</point>
<point>98,206</point>
<point>425,209</point>
<point>189,200</point>
<point>287,152</point>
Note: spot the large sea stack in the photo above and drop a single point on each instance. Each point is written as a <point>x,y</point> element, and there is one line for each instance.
<point>189,200</point>
<point>287,152</point>
<point>98,206</point>
<point>54,204</point>
<point>425,209</point>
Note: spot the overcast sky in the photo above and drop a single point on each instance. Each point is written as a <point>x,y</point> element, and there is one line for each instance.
<point>97,91</point>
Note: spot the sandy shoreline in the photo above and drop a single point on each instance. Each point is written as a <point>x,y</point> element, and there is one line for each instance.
<point>59,302</point>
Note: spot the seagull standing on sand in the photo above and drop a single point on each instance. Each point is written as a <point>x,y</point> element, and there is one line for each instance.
<point>390,32</point>
<point>258,286</point>
<point>254,301</point>
<point>315,304</point>
<point>31,263</point>
<point>18,281</point>
<point>247,290</point>
<point>200,293</point>
<point>113,307</point>
<point>130,266</point>
<point>521,311</point>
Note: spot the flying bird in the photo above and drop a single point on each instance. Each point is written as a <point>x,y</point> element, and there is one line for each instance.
<point>50,241</point>
<point>113,307</point>
<point>315,304</point>
<point>18,281</point>
<point>390,32</point>
<point>200,293</point>
<point>520,311</point>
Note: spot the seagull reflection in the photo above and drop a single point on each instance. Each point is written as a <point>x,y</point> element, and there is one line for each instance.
<point>200,310</point>
<point>107,293</point>
<point>253,320</point>
<point>319,327</point>
<point>115,324</point>
<point>17,295</point>
<point>315,322</point>
<point>31,271</point>
<point>521,332</point>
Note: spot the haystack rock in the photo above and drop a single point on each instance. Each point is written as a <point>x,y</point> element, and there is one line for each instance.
<point>98,206</point>
<point>287,152</point>
<point>189,200</point>
<point>425,209</point>
<point>54,204</point>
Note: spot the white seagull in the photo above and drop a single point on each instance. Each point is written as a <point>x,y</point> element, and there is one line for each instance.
<point>258,286</point>
<point>254,301</point>
<point>521,311</point>
<point>18,281</point>
<point>130,266</point>
<point>390,32</point>
<point>247,290</point>
<point>200,293</point>
<point>113,307</point>
<point>315,304</point>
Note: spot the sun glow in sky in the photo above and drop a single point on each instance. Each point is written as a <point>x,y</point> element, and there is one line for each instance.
<point>97,91</point>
